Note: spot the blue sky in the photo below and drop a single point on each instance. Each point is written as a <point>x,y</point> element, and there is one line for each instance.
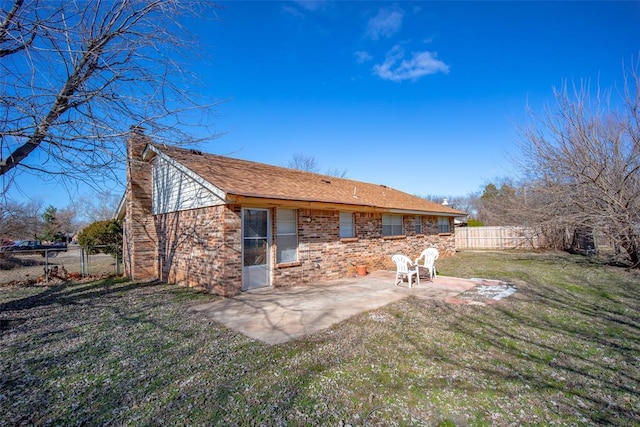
<point>420,96</point>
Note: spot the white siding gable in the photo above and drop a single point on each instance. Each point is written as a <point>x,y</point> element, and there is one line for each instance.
<point>176,188</point>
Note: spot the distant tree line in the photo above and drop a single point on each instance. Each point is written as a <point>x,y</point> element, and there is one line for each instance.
<point>33,220</point>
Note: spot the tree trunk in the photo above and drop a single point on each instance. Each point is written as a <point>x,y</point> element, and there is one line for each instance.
<point>630,245</point>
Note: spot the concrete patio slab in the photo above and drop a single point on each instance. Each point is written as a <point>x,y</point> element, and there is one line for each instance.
<point>277,315</point>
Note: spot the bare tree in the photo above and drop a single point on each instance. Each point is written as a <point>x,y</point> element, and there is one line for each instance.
<point>76,75</point>
<point>95,207</point>
<point>582,160</point>
<point>304,163</point>
<point>338,173</point>
<point>21,220</point>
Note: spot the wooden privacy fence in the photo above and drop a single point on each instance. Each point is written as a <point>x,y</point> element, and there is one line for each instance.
<point>498,238</point>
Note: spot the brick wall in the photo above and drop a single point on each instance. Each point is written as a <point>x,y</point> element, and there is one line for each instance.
<point>323,255</point>
<point>140,244</point>
<point>201,248</point>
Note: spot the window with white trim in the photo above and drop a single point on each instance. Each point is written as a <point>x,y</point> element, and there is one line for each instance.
<point>392,225</point>
<point>443,225</point>
<point>346,225</point>
<point>418,224</point>
<point>286,235</point>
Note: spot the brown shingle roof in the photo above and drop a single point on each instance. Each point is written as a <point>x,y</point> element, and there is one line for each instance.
<point>252,179</point>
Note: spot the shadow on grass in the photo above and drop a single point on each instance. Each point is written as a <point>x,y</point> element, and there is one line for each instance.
<point>575,341</point>
<point>75,297</point>
<point>132,354</point>
<point>92,351</point>
<point>73,293</point>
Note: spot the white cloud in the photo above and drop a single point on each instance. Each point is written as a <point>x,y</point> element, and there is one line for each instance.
<point>385,24</point>
<point>291,10</point>
<point>362,56</point>
<point>298,8</point>
<point>396,68</point>
<point>311,5</point>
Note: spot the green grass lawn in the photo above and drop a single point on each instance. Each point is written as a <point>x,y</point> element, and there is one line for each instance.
<point>564,350</point>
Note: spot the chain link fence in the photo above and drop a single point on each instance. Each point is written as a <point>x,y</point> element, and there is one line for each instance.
<point>55,265</point>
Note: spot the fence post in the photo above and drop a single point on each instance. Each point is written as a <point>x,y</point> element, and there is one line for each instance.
<point>82,270</point>
<point>88,260</point>
<point>117,261</point>
<point>46,266</point>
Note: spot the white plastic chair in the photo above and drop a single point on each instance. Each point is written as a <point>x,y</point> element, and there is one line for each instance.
<point>430,256</point>
<point>404,267</point>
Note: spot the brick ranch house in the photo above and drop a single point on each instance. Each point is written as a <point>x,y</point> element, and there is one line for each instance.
<point>227,225</point>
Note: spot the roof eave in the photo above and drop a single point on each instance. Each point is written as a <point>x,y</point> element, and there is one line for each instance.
<point>330,204</point>
<point>121,210</point>
<point>429,213</point>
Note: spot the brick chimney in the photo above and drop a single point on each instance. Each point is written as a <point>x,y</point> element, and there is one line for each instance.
<point>140,237</point>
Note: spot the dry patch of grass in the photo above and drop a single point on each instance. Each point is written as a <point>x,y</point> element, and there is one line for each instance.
<point>564,349</point>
